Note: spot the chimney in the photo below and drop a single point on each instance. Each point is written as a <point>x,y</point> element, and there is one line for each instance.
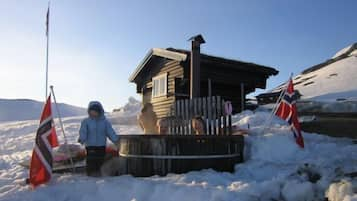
<point>195,68</point>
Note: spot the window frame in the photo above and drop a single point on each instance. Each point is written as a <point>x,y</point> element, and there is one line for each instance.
<point>158,78</point>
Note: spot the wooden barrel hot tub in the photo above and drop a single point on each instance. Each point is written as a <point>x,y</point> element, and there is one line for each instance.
<point>147,155</point>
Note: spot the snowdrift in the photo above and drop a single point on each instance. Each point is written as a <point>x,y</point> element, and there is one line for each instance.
<point>331,81</point>
<point>275,169</point>
<point>327,107</point>
<point>128,113</point>
<point>26,109</point>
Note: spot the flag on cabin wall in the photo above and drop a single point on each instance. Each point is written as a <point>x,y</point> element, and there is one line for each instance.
<point>46,139</point>
<point>287,110</point>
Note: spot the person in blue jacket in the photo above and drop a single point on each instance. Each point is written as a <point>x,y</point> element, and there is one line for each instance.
<point>94,131</point>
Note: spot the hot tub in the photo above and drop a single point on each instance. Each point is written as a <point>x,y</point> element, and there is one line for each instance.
<point>147,155</point>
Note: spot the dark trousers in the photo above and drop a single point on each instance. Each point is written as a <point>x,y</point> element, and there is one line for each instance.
<point>95,159</point>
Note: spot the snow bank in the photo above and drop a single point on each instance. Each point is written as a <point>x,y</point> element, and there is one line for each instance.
<point>274,156</point>
<point>342,51</point>
<point>133,106</point>
<point>342,191</point>
<point>332,81</point>
<point>275,169</point>
<point>25,109</point>
<point>328,106</point>
<point>128,113</point>
<point>294,190</point>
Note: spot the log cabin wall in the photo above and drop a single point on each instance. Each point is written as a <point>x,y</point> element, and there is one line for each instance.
<point>162,104</point>
<point>226,81</point>
<point>226,77</point>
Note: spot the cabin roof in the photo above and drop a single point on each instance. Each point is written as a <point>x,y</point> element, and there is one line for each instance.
<point>183,55</point>
<point>157,52</point>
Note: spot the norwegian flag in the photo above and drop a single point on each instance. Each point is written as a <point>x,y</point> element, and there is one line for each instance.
<point>287,111</point>
<point>46,139</point>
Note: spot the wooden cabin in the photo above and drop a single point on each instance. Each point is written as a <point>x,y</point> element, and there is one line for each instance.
<point>164,76</point>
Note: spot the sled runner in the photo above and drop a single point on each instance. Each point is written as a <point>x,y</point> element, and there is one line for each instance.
<point>61,167</point>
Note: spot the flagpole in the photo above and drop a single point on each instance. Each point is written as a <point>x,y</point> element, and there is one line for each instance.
<point>48,36</point>
<point>269,120</point>
<point>62,128</point>
<point>275,108</point>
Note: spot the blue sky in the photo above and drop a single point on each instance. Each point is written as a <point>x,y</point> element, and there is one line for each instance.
<point>95,45</point>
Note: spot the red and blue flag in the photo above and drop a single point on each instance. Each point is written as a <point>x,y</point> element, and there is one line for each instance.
<point>46,139</point>
<point>287,111</point>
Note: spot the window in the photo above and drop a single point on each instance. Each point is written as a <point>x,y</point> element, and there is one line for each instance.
<point>159,85</point>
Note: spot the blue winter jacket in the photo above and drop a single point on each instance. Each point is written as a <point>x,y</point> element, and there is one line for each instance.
<point>94,132</point>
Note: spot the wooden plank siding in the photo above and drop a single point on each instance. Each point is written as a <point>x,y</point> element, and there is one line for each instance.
<point>226,82</point>
<point>162,104</point>
<point>227,92</point>
<point>229,75</point>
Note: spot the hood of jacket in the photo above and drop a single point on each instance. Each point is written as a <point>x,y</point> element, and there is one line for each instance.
<point>98,104</point>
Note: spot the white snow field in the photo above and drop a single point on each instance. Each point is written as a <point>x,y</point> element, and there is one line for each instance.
<point>274,169</point>
<point>26,109</point>
<point>333,80</point>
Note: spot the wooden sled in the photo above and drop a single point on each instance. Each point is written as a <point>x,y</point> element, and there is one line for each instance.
<point>62,162</point>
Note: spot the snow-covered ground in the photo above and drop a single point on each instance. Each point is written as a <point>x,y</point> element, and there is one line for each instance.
<point>275,169</point>
<point>335,81</point>
<point>26,109</point>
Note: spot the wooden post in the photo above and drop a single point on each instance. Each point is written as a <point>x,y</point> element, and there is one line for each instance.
<point>209,115</point>
<point>187,114</point>
<point>242,96</point>
<point>182,122</point>
<point>230,124</point>
<point>190,115</point>
<point>169,121</point>
<point>224,119</point>
<point>204,108</point>
<point>178,116</point>
<point>200,107</point>
<point>214,117</point>
<point>209,87</point>
<point>219,114</point>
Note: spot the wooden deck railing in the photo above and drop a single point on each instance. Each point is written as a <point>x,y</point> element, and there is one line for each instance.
<point>215,112</point>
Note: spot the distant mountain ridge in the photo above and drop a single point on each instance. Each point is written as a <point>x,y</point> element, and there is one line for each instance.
<point>27,109</point>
